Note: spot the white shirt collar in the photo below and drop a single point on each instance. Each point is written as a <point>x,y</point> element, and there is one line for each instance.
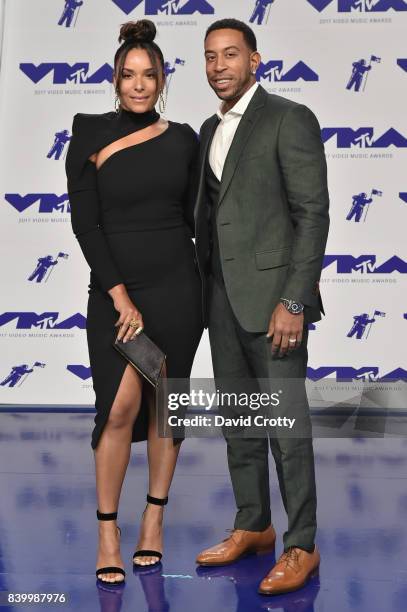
<point>240,106</point>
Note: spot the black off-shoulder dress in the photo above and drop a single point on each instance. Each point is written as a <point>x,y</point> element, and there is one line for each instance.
<point>133,218</point>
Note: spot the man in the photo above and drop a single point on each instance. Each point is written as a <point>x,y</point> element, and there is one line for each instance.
<point>261,230</point>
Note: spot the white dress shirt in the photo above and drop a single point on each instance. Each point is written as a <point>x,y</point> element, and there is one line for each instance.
<point>225,132</point>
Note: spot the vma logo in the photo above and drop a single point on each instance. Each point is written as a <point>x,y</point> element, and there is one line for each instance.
<point>361,6</point>
<point>47,202</point>
<point>81,371</point>
<point>363,138</point>
<point>167,7</point>
<point>63,73</point>
<point>348,374</point>
<point>274,71</point>
<point>365,264</point>
<point>45,320</point>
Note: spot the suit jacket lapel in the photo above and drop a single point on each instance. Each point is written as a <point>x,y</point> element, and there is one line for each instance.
<point>203,150</point>
<point>245,128</point>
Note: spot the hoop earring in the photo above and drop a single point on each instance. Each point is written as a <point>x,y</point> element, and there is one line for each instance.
<point>162,103</point>
<point>117,104</point>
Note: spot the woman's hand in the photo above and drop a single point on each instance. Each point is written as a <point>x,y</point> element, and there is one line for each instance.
<point>128,314</point>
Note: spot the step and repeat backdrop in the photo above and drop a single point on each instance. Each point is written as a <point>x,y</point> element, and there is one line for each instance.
<point>345,59</point>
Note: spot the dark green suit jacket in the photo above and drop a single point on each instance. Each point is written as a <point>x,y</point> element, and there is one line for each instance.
<point>272,215</point>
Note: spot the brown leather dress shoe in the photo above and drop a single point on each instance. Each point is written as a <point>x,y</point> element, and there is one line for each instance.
<point>239,544</point>
<point>291,571</point>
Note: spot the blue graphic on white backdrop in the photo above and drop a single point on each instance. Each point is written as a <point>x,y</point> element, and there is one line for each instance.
<point>63,73</point>
<point>362,324</point>
<point>60,140</point>
<point>261,12</point>
<point>363,138</point>
<point>360,204</point>
<point>47,202</point>
<point>45,320</point>
<point>403,196</point>
<point>360,73</point>
<point>45,266</point>
<point>274,71</point>
<point>81,371</point>
<point>167,7</point>
<point>70,13</point>
<point>361,6</point>
<point>365,264</point>
<point>349,373</point>
<point>402,62</point>
<point>19,374</point>
<point>170,69</point>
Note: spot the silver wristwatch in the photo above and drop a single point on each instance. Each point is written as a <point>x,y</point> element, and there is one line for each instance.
<point>292,306</point>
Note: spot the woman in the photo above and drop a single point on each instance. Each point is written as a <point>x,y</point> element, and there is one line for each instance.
<point>129,175</point>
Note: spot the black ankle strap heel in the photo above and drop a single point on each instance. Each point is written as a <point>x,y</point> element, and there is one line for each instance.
<point>158,501</point>
<point>109,516</point>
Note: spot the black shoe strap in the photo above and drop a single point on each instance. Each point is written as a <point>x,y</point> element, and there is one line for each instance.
<point>106,516</point>
<point>159,501</point>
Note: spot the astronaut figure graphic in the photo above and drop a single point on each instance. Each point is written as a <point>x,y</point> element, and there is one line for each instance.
<point>69,12</point>
<point>359,70</point>
<point>359,325</point>
<point>61,138</point>
<point>360,205</point>
<point>16,374</point>
<point>359,201</point>
<point>259,12</point>
<point>44,264</point>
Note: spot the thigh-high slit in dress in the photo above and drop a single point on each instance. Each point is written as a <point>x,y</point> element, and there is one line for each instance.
<point>133,219</point>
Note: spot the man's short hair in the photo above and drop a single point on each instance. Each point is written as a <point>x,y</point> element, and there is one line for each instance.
<point>235,24</point>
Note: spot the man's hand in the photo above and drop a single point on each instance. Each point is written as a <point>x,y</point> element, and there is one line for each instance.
<point>284,326</point>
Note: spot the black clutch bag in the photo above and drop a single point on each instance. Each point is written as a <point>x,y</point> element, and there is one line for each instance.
<point>144,356</point>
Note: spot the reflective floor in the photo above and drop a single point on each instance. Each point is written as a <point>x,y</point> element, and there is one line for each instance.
<point>48,525</point>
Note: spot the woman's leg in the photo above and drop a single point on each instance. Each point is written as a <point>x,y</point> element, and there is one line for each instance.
<point>162,458</point>
<point>112,456</point>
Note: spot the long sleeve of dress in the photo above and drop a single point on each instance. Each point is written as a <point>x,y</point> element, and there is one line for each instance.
<point>85,216</point>
<point>190,196</point>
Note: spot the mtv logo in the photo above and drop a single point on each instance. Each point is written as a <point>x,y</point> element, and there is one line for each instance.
<point>65,73</point>
<point>80,371</point>
<point>366,6</point>
<point>365,264</point>
<point>363,138</point>
<point>45,320</point>
<point>343,373</point>
<point>48,202</point>
<point>168,7</point>
<point>273,71</point>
